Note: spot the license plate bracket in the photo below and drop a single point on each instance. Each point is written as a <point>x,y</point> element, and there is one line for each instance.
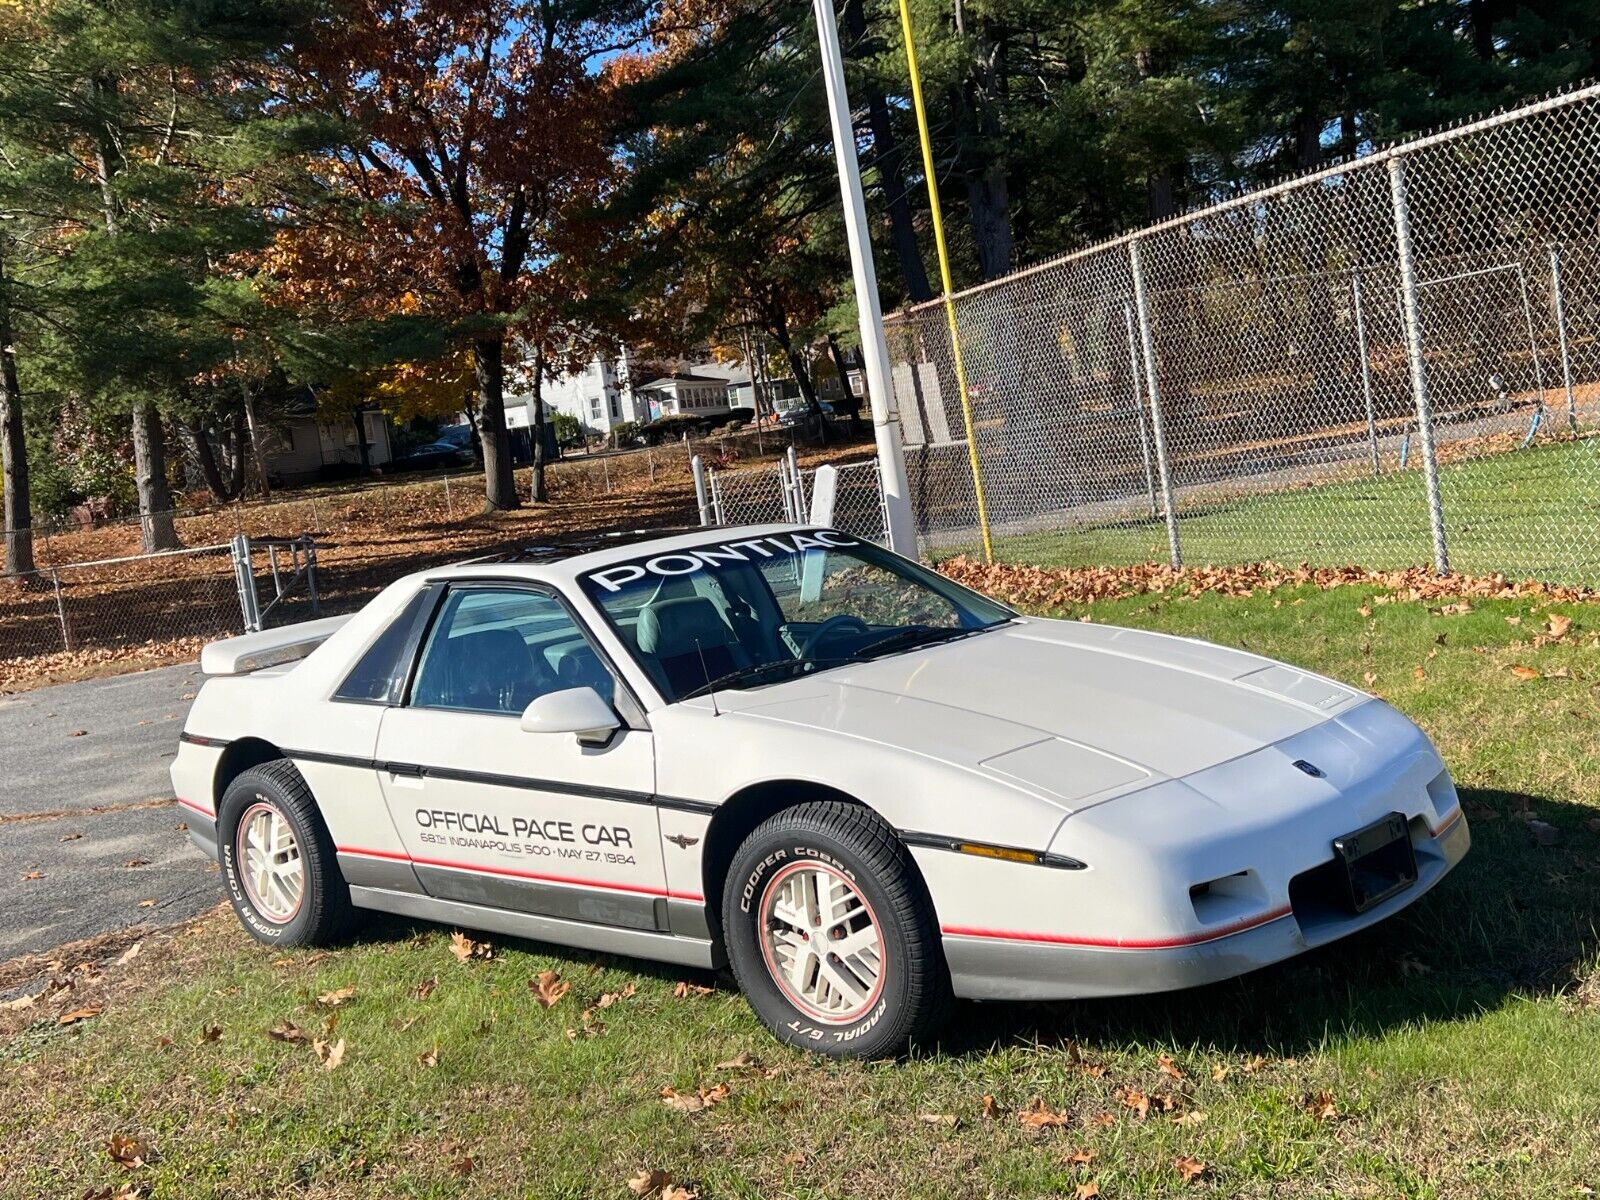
<point>1379,861</point>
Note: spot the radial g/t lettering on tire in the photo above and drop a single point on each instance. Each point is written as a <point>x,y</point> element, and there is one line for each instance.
<point>278,861</point>
<point>831,934</point>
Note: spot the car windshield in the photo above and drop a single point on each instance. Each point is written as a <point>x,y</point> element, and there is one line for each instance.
<point>748,611</point>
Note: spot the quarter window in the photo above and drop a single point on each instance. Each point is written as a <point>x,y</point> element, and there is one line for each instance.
<point>377,677</point>
<point>497,650</point>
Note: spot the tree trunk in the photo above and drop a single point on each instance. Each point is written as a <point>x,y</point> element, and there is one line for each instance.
<point>209,468</point>
<point>157,532</point>
<point>363,447</point>
<point>889,159</point>
<point>988,198</point>
<point>258,460</point>
<point>848,402</point>
<point>13,455</point>
<point>536,430</point>
<point>802,376</point>
<point>488,367</point>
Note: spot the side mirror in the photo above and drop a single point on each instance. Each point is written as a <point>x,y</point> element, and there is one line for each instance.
<point>579,711</point>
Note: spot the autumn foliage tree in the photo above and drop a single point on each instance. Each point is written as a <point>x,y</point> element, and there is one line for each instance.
<point>468,178</point>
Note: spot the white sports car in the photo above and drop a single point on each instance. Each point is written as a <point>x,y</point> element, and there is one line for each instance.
<point>864,787</point>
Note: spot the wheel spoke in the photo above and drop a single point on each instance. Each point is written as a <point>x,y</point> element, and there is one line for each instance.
<point>272,871</point>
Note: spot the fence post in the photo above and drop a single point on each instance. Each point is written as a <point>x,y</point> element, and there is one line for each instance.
<point>1138,406</point>
<point>244,577</point>
<point>61,610</point>
<point>311,574</point>
<point>1153,389</point>
<point>700,499</point>
<point>1558,301</point>
<point>1366,369</point>
<point>1419,368</point>
<point>794,502</point>
<point>449,505</point>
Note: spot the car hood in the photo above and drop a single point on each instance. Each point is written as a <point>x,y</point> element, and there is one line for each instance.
<point>1075,712</point>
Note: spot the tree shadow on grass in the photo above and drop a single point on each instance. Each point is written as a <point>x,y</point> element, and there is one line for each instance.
<point>1513,919</point>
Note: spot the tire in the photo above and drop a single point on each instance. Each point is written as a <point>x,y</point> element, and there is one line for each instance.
<point>320,910</point>
<point>895,992</point>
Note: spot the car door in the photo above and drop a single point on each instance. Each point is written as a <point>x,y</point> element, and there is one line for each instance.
<point>492,814</point>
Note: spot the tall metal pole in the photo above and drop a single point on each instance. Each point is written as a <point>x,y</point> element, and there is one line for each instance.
<point>1366,371</point>
<point>1559,303</point>
<point>944,281</point>
<point>1138,404</point>
<point>1153,390</point>
<point>1419,368</point>
<point>874,346</point>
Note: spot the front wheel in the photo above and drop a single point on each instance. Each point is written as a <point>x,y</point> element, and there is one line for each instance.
<point>278,861</point>
<point>831,933</point>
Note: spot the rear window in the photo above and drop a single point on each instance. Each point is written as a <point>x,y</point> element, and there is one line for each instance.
<point>377,677</point>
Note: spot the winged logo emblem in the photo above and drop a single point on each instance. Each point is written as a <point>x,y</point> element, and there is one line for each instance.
<point>682,841</point>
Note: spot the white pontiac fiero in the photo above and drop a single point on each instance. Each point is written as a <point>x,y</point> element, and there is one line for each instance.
<point>866,788</point>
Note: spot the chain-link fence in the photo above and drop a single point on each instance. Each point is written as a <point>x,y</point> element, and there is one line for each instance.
<point>784,493</point>
<point>1392,362</point>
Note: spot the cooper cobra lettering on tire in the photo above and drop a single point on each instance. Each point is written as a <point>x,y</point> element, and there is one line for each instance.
<point>831,934</point>
<point>278,862</point>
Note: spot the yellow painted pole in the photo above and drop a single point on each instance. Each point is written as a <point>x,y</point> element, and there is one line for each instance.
<point>944,279</point>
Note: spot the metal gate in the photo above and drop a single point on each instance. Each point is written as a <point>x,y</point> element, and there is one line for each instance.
<point>783,494</point>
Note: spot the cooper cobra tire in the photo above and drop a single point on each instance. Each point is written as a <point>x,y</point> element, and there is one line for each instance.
<point>278,861</point>
<point>831,934</point>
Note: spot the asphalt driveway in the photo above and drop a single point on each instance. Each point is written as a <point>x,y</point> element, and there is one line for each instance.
<point>90,838</point>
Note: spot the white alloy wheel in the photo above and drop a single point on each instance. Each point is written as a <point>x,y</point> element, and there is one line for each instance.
<point>273,876</point>
<point>821,942</point>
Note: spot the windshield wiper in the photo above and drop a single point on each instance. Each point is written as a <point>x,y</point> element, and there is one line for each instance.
<point>745,674</point>
<point>917,636</point>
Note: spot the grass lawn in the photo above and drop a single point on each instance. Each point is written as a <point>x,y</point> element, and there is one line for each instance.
<point>1530,513</point>
<point>1451,1052</point>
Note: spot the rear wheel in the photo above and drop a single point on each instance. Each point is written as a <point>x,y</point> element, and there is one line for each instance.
<point>278,861</point>
<point>831,934</point>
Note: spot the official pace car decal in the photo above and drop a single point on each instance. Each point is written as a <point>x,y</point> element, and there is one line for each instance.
<point>526,837</point>
<point>688,562</point>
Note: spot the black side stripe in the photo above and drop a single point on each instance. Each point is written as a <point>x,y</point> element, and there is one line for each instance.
<point>930,841</point>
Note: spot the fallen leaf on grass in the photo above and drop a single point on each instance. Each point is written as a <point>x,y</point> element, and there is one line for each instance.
<point>1193,1117</point>
<point>991,1109</point>
<point>337,997</point>
<point>647,1182</point>
<point>429,1058</point>
<point>425,989</point>
<point>1558,625</point>
<point>286,1031</point>
<point>1321,1105</point>
<point>330,1056</point>
<point>128,1151</point>
<point>695,1101</point>
<point>1078,1158</point>
<point>1086,1191</point>
<point>1522,672</point>
<point>1188,1167</point>
<point>465,948</point>
<point>674,1191</point>
<point>741,1061</point>
<point>1135,1101</point>
<point>607,999</point>
<point>1252,1065</point>
<point>210,1033</point>
<point>1370,678</point>
<point>1039,1115</point>
<point>937,1119</point>
<point>1220,1072</point>
<point>128,955</point>
<point>1169,1066</point>
<point>685,989</point>
<point>588,1026</point>
<point>78,1014</point>
<point>133,1189</point>
<point>548,988</point>
<point>464,1165</point>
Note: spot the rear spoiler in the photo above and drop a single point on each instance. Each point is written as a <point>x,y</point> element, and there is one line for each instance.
<point>269,648</point>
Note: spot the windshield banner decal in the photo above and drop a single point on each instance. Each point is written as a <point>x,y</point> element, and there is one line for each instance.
<point>687,562</point>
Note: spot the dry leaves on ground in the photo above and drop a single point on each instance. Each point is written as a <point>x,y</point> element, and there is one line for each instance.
<point>286,1031</point>
<point>425,989</point>
<point>129,1151</point>
<point>1039,1115</point>
<point>695,1101</point>
<point>330,1056</point>
<point>1169,1067</point>
<point>1188,1167</point>
<point>429,1058</point>
<point>607,999</point>
<point>466,948</point>
<point>79,1014</point>
<point>684,990</point>
<point>337,997</point>
<point>1320,1105</point>
<point>210,1033</point>
<point>1522,672</point>
<point>548,988</point>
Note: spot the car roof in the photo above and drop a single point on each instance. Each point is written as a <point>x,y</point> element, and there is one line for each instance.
<point>566,558</point>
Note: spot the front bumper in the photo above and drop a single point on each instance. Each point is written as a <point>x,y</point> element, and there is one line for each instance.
<point>996,966</point>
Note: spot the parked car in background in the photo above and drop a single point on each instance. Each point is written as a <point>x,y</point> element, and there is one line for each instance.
<point>452,448</point>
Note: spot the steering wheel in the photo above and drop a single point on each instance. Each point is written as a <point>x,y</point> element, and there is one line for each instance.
<point>830,627</point>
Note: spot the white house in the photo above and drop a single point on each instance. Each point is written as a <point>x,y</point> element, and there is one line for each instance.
<point>606,391</point>
<point>685,394</point>
<point>299,446</point>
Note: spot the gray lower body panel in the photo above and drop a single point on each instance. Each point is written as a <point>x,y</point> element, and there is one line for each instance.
<point>662,947</point>
<point>987,968</point>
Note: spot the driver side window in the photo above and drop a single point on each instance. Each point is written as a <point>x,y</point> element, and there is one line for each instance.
<point>496,650</point>
<point>820,585</point>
